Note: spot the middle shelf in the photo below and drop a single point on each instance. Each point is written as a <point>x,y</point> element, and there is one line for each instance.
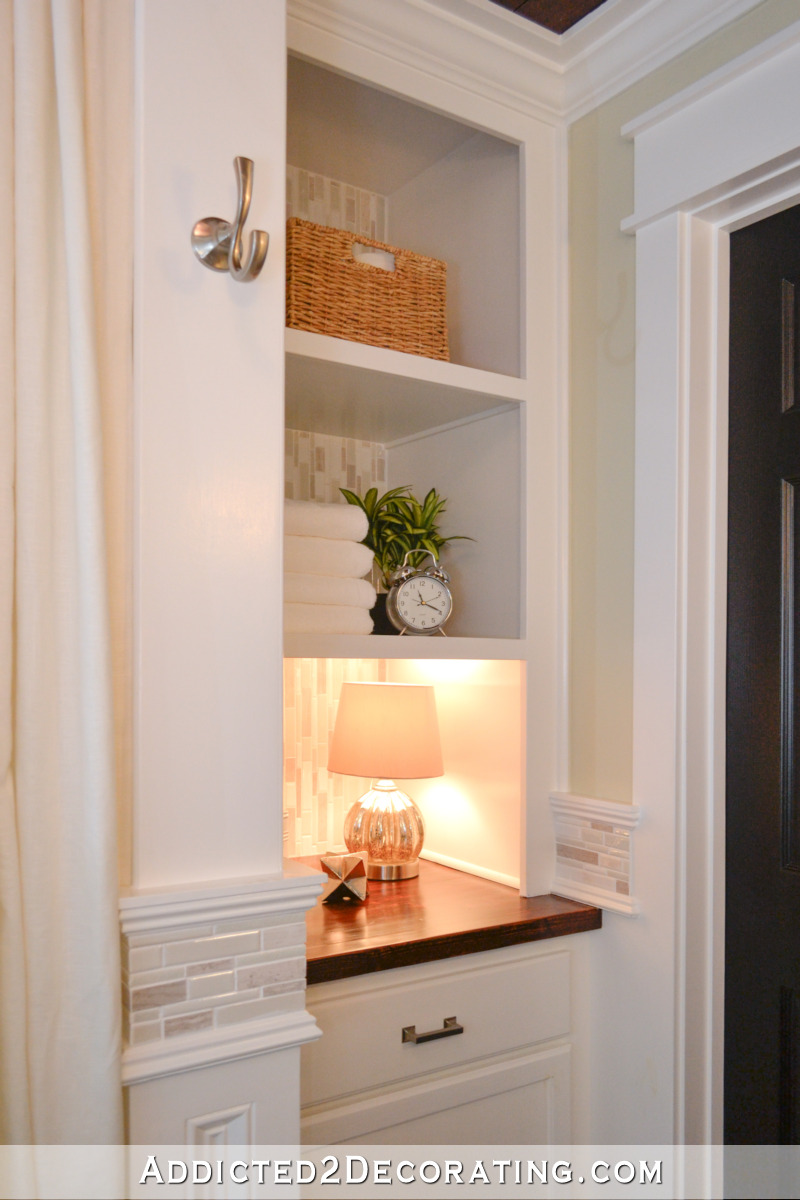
<point>351,390</point>
<point>320,645</point>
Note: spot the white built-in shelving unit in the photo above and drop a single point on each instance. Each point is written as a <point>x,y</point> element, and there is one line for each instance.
<point>452,191</point>
<point>477,184</point>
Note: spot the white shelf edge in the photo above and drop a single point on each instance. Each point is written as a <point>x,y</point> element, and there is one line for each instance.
<point>305,645</point>
<point>485,415</point>
<point>410,366</point>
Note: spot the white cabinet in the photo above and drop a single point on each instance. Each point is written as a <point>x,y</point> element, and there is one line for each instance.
<point>504,1079</point>
<point>487,429</point>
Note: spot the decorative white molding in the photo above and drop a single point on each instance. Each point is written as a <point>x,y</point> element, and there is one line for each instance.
<point>586,894</point>
<point>408,32</point>
<point>626,40</point>
<point>692,189</point>
<point>688,96</point>
<point>215,972</point>
<point>594,851</point>
<point>725,114</point>
<point>230,1127</point>
<point>156,1059</point>
<point>146,910</point>
<point>623,816</point>
<point>514,62</point>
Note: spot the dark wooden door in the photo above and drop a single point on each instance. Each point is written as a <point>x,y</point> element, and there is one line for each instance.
<point>762,938</point>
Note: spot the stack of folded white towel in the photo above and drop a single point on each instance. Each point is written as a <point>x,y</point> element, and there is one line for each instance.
<point>324,565</point>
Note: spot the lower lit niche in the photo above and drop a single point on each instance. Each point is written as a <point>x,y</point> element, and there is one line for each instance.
<point>471,813</point>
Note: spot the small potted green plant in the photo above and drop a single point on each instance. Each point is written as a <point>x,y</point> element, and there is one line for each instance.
<point>399,524</point>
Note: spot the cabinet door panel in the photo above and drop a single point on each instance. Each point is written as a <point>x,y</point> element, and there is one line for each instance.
<point>522,1101</point>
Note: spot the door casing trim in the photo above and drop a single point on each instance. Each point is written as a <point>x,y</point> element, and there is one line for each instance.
<point>681,516</point>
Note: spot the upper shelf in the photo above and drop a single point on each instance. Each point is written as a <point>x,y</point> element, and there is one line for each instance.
<point>351,390</point>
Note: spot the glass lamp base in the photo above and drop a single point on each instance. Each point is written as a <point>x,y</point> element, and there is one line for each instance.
<point>391,871</point>
<point>388,825</point>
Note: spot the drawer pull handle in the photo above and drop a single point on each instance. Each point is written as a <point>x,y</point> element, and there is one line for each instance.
<point>450,1028</point>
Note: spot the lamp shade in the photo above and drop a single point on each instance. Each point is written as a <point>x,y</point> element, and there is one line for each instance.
<point>386,731</point>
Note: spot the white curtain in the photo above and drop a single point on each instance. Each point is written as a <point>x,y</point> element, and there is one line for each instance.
<point>65,315</point>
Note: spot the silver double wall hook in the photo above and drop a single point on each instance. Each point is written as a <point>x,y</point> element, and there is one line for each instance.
<point>218,244</point>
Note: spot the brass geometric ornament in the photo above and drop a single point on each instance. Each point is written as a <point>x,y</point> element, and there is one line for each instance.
<point>347,878</point>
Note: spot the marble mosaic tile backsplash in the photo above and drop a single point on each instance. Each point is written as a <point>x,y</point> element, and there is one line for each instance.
<point>210,976</point>
<point>317,465</point>
<point>331,202</point>
<point>594,852</point>
<point>314,801</point>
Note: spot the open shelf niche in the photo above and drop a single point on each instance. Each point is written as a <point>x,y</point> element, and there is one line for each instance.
<point>472,813</point>
<point>357,415</point>
<point>448,190</point>
<point>381,165</point>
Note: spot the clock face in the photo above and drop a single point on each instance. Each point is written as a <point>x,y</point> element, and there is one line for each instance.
<point>422,604</point>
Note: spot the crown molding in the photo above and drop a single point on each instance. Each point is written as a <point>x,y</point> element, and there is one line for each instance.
<point>443,46</point>
<point>625,40</point>
<point>492,52</point>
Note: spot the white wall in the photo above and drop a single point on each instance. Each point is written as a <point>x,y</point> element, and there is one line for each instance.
<point>603,340</point>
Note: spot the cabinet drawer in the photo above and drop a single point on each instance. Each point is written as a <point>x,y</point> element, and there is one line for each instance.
<point>501,1002</point>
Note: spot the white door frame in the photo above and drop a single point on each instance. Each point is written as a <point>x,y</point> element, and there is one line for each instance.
<point>720,155</point>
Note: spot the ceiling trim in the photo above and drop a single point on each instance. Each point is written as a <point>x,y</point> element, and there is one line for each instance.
<point>624,41</point>
<point>514,61</point>
<point>412,32</point>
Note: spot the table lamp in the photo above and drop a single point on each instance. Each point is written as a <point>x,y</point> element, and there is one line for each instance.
<point>386,731</point>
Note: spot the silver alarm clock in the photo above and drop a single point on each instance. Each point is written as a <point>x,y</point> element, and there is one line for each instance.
<point>419,600</point>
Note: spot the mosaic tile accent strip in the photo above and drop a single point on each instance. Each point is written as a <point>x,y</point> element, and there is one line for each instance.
<point>317,465</point>
<point>315,802</point>
<point>331,202</point>
<point>209,976</point>
<point>594,851</point>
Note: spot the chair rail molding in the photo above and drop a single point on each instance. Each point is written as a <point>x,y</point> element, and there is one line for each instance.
<point>691,191</point>
<point>215,972</point>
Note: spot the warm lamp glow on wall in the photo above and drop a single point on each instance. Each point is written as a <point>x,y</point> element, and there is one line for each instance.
<point>386,731</point>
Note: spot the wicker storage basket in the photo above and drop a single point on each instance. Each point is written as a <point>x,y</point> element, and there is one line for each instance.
<point>328,291</point>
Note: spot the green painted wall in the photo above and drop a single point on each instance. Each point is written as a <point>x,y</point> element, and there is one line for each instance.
<point>602,310</point>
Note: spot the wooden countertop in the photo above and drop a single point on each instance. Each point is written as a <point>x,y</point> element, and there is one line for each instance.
<point>441,914</point>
